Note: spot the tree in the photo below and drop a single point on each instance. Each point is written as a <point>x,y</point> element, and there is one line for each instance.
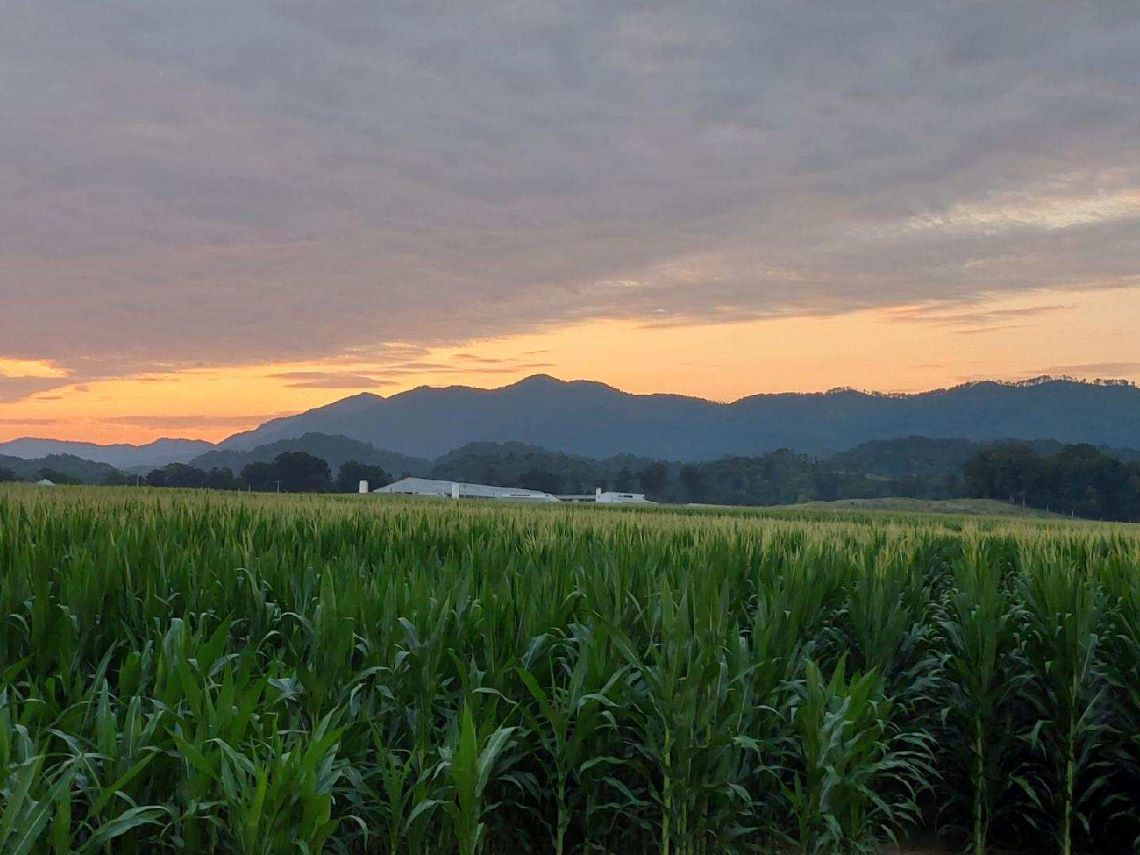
<point>259,476</point>
<point>299,472</point>
<point>352,473</point>
<point>57,477</point>
<point>222,479</point>
<point>118,478</point>
<point>654,479</point>
<point>826,485</point>
<point>623,483</point>
<point>953,486</point>
<point>7,474</point>
<point>1078,479</point>
<point>1009,471</point>
<point>539,479</point>
<point>177,475</point>
<point>692,484</point>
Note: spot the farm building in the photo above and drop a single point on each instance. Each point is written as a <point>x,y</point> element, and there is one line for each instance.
<point>608,497</point>
<point>612,498</point>
<point>461,490</point>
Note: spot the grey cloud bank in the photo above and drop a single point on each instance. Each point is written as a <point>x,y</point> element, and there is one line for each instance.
<point>219,183</point>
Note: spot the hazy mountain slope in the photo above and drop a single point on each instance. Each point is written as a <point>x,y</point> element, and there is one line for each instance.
<point>907,457</point>
<point>923,457</point>
<point>121,456</point>
<point>513,463</point>
<point>581,417</point>
<point>595,420</point>
<point>334,450</point>
<point>87,471</point>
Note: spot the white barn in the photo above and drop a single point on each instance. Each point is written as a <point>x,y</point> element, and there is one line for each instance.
<point>462,490</point>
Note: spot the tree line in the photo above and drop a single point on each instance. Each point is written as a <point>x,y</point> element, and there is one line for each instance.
<point>779,477</point>
<point>1075,479</point>
<point>1079,479</point>
<point>41,474</point>
<point>288,472</point>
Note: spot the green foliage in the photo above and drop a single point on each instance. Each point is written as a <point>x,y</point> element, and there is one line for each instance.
<point>849,754</point>
<point>352,473</point>
<point>183,475</point>
<point>290,472</point>
<point>57,476</point>
<point>1077,479</point>
<point>234,672</point>
<point>1062,627</point>
<point>985,676</point>
<point>337,451</point>
<point>60,468</point>
<point>931,469</point>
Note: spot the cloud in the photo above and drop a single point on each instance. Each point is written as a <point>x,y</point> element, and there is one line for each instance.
<point>492,367</point>
<point>18,422</point>
<point>1028,212</point>
<point>971,321</point>
<point>19,388</point>
<point>190,420</point>
<point>477,359</point>
<point>303,183</point>
<point>1103,370</point>
<point>386,373</point>
<point>329,380</point>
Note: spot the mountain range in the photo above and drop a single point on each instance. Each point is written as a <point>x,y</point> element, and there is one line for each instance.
<point>120,455</point>
<point>334,450</point>
<point>598,421</point>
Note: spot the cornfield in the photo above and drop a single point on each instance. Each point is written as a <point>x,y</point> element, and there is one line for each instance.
<point>262,674</point>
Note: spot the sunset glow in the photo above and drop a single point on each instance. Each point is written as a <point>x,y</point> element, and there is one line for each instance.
<point>902,349</point>
<point>204,226</point>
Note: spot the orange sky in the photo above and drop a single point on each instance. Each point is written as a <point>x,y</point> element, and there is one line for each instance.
<point>203,226</point>
<point>1088,333</point>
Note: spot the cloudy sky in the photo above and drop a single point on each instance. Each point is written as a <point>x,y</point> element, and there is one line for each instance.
<point>215,212</point>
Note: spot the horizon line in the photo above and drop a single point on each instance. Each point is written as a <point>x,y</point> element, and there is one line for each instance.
<point>1025,383</point>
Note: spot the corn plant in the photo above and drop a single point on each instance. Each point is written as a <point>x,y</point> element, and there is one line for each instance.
<point>471,763</point>
<point>1062,625</point>
<point>984,680</point>
<point>570,719</point>
<point>849,749</point>
<point>256,673</point>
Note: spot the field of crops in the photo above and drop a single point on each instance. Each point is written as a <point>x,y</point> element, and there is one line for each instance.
<point>268,673</point>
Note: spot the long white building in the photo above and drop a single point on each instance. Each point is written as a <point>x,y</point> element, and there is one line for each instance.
<point>462,490</point>
<point>614,498</point>
<point>607,497</point>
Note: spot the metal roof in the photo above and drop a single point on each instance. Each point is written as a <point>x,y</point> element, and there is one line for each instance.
<point>433,487</point>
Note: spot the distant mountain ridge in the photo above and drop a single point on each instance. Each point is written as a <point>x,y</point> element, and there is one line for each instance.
<point>334,450</point>
<point>30,469</point>
<point>120,455</point>
<point>595,420</point>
